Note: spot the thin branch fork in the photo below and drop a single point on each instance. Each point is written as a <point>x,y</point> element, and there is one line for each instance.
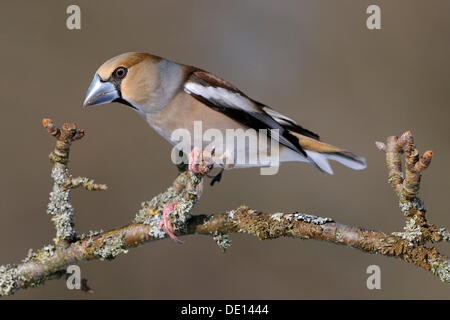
<point>51,261</point>
<point>406,185</point>
<point>60,207</point>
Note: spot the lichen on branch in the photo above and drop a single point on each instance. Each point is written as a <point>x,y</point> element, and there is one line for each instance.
<point>60,207</point>
<point>406,184</point>
<point>51,261</point>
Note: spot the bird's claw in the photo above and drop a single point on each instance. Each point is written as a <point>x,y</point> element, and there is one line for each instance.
<point>201,162</point>
<point>165,222</point>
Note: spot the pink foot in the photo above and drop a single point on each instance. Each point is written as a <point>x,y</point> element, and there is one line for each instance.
<point>197,163</point>
<point>165,222</point>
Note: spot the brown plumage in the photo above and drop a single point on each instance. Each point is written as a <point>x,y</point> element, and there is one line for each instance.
<point>169,96</point>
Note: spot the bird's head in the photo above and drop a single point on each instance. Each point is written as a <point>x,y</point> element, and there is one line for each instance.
<point>129,78</point>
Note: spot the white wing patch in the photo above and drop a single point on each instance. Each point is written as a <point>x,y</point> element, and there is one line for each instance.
<point>229,98</point>
<point>280,118</point>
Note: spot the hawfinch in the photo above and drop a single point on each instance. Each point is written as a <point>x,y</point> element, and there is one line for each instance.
<point>171,96</point>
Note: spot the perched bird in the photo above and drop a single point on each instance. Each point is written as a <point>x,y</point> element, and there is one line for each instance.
<point>171,96</point>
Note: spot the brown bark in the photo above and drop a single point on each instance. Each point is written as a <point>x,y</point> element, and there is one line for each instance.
<point>409,246</point>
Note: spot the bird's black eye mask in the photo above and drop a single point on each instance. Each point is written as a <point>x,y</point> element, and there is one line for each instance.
<point>116,79</point>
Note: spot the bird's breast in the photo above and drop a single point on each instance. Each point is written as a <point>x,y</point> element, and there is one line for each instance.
<point>184,112</point>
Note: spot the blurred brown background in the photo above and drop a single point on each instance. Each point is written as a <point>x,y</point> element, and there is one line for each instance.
<point>313,60</point>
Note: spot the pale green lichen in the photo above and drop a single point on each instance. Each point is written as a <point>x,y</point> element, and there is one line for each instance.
<point>145,216</point>
<point>231,214</point>
<point>441,268</point>
<point>156,205</point>
<point>151,214</point>
<point>300,217</point>
<point>30,255</point>
<point>395,177</point>
<point>279,215</point>
<point>311,219</point>
<point>276,216</point>
<point>110,248</point>
<point>412,233</point>
<point>9,280</point>
<point>151,211</point>
<point>407,205</point>
<point>59,206</point>
<point>222,240</point>
<point>45,254</point>
<point>444,233</point>
<point>90,236</point>
<point>417,204</point>
<point>338,235</point>
<point>181,214</point>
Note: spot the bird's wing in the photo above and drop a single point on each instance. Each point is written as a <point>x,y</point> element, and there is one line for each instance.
<point>288,123</point>
<point>227,99</point>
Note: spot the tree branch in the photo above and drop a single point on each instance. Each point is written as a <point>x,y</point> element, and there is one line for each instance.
<point>51,261</point>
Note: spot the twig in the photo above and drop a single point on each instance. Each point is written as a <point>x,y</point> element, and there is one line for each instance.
<point>59,206</point>
<point>409,246</point>
<point>406,185</point>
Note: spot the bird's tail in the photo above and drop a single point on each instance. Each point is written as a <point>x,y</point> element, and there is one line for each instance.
<point>320,152</point>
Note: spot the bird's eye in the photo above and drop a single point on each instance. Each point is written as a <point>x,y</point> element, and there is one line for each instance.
<point>120,73</point>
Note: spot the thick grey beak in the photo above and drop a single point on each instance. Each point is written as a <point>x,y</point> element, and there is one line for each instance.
<point>100,92</point>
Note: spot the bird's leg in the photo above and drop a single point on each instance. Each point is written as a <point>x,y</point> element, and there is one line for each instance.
<point>217,177</point>
<point>165,222</point>
<point>203,161</point>
<point>200,162</point>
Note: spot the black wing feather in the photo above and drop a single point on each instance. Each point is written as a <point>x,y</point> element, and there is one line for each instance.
<point>290,124</point>
<point>255,121</point>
